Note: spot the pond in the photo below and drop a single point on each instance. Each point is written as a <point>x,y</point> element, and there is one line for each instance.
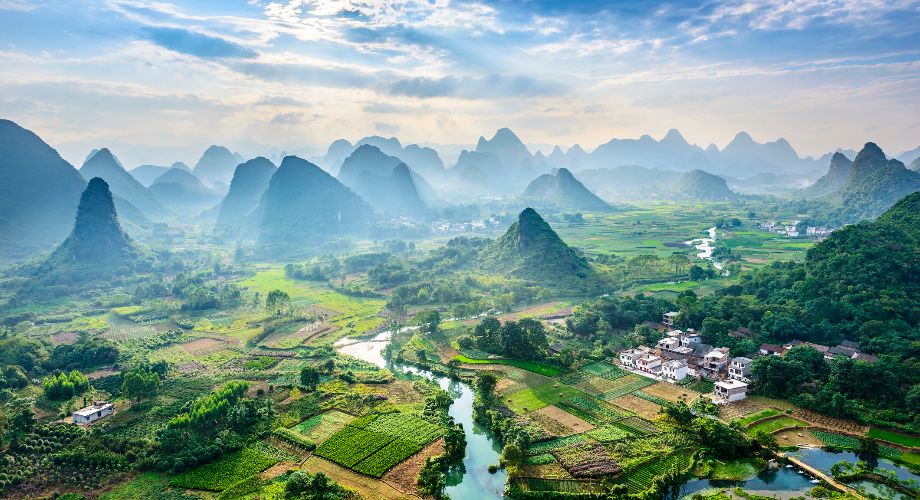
<point>473,479</point>
<point>782,483</point>
<point>824,460</point>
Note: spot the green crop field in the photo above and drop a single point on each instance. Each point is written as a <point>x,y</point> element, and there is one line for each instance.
<point>628,384</point>
<point>541,368</point>
<point>643,476</point>
<point>374,444</point>
<point>747,420</point>
<point>774,424</point>
<point>895,437</point>
<point>534,398</point>
<point>319,428</point>
<point>220,474</point>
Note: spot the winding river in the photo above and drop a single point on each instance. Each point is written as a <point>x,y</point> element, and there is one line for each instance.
<point>705,246</point>
<point>473,480</point>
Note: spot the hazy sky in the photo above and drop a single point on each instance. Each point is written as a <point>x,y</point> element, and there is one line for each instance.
<point>160,80</point>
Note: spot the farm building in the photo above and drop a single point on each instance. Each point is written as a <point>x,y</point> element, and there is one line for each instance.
<point>740,368</point>
<point>97,410</point>
<point>674,370</point>
<point>730,390</point>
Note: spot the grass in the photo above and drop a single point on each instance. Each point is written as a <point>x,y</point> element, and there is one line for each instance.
<point>745,421</point>
<point>320,427</point>
<point>737,470</point>
<point>774,424</point>
<point>225,471</point>
<point>533,366</point>
<point>357,314</point>
<point>147,485</point>
<point>895,437</point>
<point>534,398</point>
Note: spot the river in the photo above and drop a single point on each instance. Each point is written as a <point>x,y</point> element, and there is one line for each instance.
<point>705,246</point>
<point>473,480</point>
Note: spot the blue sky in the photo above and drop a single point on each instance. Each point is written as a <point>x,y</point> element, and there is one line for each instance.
<point>160,80</point>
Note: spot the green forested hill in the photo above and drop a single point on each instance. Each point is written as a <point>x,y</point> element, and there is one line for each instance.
<point>530,249</point>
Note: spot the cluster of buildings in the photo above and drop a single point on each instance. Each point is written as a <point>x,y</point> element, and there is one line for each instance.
<point>444,227</point>
<point>846,349</point>
<point>681,355</point>
<point>793,231</point>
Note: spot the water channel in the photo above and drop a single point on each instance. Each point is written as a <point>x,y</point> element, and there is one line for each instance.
<point>705,246</point>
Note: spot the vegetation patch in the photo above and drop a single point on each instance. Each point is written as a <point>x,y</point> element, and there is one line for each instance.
<point>749,419</point>
<point>319,428</point>
<point>534,366</point>
<point>225,471</point>
<point>772,425</point>
<point>534,398</point>
<point>912,441</point>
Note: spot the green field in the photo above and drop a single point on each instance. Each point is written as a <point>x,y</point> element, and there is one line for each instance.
<point>225,471</point>
<point>774,424</point>
<point>533,366</point>
<point>895,437</point>
<point>769,412</point>
<point>319,428</point>
<point>534,398</point>
<point>374,444</point>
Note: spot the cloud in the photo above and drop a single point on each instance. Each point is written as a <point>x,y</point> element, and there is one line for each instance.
<point>292,118</point>
<point>279,101</point>
<point>196,44</point>
<point>386,128</point>
<point>476,87</point>
<point>18,5</point>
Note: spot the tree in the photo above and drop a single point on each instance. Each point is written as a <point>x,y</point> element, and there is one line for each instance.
<point>277,301</point>
<point>140,384</point>
<point>429,321</point>
<point>454,443</point>
<point>309,377</point>
<point>868,452</point>
<point>512,456</point>
<point>431,480</point>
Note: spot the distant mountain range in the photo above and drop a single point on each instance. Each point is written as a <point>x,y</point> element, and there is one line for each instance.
<point>864,188</point>
<point>422,160</point>
<point>562,191</point>
<point>216,166</point>
<point>700,185</point>
<point>304,204</point>
<point>377,178</point>
<point>104,165</point>
<point>182,192</point>
<point>146,174</point>
<point>250,180</point>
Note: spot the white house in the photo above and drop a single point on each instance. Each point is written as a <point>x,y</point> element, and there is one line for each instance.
<point>649,363</point>
<point>674,370</point>
<point>730,390</point>
<point>93,412</point>
<point>628,357</point>
<point>740,368</point>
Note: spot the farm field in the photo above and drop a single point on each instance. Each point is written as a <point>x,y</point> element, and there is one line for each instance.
<point>774,424</point>
<point>225,471</point>
<point>374,444</point>
<point>321,427</point>
<point>533,366</point>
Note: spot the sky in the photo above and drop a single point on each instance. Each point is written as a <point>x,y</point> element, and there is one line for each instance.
<point>158,81</point>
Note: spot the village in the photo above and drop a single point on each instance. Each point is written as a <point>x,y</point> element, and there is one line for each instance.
<point>681,356</point>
